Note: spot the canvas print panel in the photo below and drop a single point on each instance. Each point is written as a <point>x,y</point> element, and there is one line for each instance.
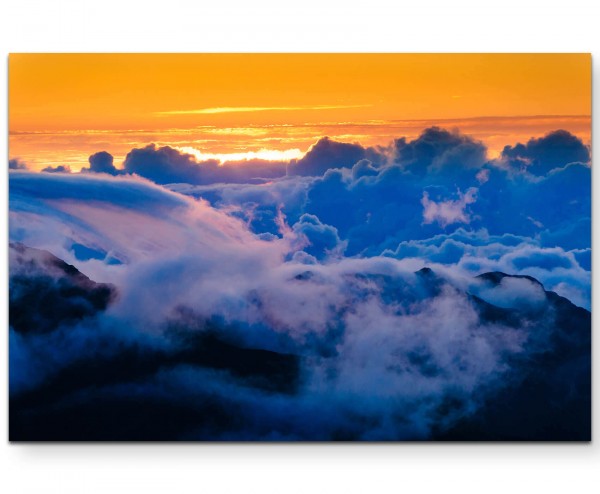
<point>300,247</point>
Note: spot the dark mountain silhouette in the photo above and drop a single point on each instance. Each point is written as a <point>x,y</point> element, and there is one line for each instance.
<point>546,395</point>
<point>549,393</point>
<point>46,292</point>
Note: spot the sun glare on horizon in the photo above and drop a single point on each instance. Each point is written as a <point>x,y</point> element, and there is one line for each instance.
<point>262,154</point>
<point>64,108</point>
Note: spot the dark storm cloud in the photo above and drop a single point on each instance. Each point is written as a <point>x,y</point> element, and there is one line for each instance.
<point>16,164</point>
<point>364,168</point>
<point>550,206</point>
<point>327,154</point>
<point>166,165</point>
<point>541,155</point>
<point>102,162</point>
<point>435,151</point>
<point>439,151</point>
<point>57,169</point>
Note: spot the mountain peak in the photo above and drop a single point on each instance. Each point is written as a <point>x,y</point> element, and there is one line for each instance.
<point>46,292</point>
<point>496,277</point>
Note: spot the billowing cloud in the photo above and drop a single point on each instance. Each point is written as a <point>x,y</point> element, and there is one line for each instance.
<point>102,162</point>
<point>541,155</point>
<point>335,310</point>
<point>326,154</point>
<point>560,270</point>
<point>368,349</point>
<point>166,165</point>
<point>364,168</point>
<point>439,151</point>
<point>323,240</point>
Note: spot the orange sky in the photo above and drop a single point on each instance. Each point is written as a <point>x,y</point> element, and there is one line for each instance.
<point>63,107</point>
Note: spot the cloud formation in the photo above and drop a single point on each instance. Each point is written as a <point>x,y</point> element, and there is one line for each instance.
<point>448,212</point>
<point>437,150</point>
<point>362,296</point>
<point>326,154</point>
<point>57,169</point>
<point>541,155</point>
<point>16,164</point>
<point>166,165</point>
<point>377,206</point>
<point>102,162</point>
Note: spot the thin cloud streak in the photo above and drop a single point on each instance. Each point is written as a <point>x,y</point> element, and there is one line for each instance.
<point>245,109</point>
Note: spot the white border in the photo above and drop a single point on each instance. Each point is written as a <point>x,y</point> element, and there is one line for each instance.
<point>306,25</point>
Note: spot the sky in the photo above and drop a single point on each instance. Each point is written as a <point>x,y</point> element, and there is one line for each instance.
<point>65,107</point>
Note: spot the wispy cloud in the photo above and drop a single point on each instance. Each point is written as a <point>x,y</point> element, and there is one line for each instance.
<point>244,109</point>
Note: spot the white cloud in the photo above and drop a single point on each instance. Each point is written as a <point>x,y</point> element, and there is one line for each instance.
<point>448,212</point>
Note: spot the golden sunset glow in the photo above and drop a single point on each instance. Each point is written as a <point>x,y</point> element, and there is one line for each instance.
<point>262,154</point>
<point>64,107</point>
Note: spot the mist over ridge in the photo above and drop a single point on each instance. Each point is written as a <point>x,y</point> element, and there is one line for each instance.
<point>369,293</point>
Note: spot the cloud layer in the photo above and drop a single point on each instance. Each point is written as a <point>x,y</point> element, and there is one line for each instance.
<point>311,280</point>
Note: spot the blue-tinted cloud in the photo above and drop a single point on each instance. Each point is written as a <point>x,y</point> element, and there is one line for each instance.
<point>102,162</point>
<point>376,208</point>
<point>323,240</point>
<point>439,151</point>
<point>540,155</point>
<point>57,169</point>
<point>166,165</point>
<point>311,290</point>
<point>16,164</point>
<point>450,211</point>
<point>564,271</point>
<point>364,168</point>
<point>326,154</point>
